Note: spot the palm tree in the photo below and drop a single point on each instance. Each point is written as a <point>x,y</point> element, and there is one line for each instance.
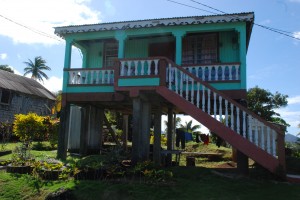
<point>36,68</point>
<point>178,121</point>
<point>188,126</point>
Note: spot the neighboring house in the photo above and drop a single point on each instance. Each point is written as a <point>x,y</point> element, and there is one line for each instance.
<point>191,65</point>
<point>21,95</point>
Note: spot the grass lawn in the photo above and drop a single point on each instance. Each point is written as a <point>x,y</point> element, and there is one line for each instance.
<point>198,182</point>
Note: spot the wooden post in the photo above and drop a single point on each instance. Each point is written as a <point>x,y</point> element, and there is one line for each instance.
<point>63,132</point>
<point>101,122</point>
<point>145,134</point>
<point>169,136</point>
<point>157,137</point>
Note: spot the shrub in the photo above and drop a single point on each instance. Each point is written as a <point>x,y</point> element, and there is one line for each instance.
<point>28,127</point>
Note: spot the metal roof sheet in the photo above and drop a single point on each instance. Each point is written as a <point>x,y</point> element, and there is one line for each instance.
<point>24,85</point>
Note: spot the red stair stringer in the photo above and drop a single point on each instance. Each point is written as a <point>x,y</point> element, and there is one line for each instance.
<point>237,141</point>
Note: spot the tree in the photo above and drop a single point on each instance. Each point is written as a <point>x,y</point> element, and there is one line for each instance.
<point>6,68</point>
<point>189,128</point>
<point>177,123</point>
<point>263,103</point>
<point>36,68</point>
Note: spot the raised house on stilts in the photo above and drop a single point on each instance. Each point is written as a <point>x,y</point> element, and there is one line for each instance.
<point>146,68</point>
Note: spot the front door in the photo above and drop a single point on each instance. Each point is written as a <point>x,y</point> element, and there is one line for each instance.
<point>165,49</point>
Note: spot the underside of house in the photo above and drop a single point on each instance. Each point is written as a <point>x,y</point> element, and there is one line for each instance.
<point>187,65</point>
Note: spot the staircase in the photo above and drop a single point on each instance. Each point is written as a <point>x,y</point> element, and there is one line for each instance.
<point>259,140</point>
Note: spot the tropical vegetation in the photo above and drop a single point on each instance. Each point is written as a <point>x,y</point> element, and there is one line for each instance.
<point>36,68</point>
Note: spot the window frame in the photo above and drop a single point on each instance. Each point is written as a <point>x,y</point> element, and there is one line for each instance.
<point>111,54</point>
<point>8,93</point>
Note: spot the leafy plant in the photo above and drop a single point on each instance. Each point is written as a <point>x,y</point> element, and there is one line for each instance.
<point>21,155</point>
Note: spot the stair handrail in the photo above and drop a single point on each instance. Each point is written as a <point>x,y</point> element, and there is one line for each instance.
<point>207,85</point>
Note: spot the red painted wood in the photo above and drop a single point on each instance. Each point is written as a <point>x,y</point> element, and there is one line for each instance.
<point>237,141</point>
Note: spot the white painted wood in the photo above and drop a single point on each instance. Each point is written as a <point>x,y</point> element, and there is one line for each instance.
<point>215,105</point>
<point>170,78</point>
<point>156,66</point>
<point>226,112</point>
<point>244,124</point>
<point>198,94</point>
<point>181,83</point>
<point>122,68</point>
<point>208,101</point>
<point>274,143</point>
<point>237,67</point>
<point>256,132</point>
<point>250,133</point>
<point>223,73</point>
<point>143,67</point>
<point>230,72</point>
<point>149,68</point>
<point>97,76</point>
<point>269,140</point>
<point>192,92</point>
<point>103,76</point>
<point>220,109</point>
<point>176,80</point>
<point>129,68</point>
<point>238,120</point>
<point>209,73</point>
<point>262,143</point>
<point>136,63</point>
<point>203,98</point>
<point>216,73</point>
<point>231,117</point>
<point>187,88</point>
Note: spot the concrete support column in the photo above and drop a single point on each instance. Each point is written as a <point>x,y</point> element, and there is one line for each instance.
<point>63,132</point>
<point>84,130</point>
<point>157,137</point>
<point>67,63</point>
<point>121,37</point>
<point>125,131</point>
<point>178,54</point>
<point>141,130</point>
<point>169,136</point>
<point>101,123</point>
<point>136,129</point>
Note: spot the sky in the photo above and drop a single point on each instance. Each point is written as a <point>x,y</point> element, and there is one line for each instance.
<point>273,61</point>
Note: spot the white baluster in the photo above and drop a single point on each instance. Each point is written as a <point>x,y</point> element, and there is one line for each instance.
<point>237,67</point>
<point>136,63</point>
<point>268,140</point>
<point>97,77</point>
<point>190,69</point>
<point>156,66</point>
<point>209,73</point>
<point>170,76</point>
<point>198,94</point>
<point>215,105</point>
<point>274,143</point>
<point>92,77</point>
<point>192,92</point>
<point>203,98</point>
<point>226,112</point>
<point>129,68</point>
<point>262,137</point>
<point>244,124</point>
<point>149,68</point>
<point>197,71</point>
<point>181,82</point>
<point>122,68</point>
<point>223,72</point>
<point>220,109</point>
<point>230,72</point>
<point>103,76</point>
<point>71,77</point>
<point>256,132</point>
<point>86,77</point>
<point>108,76</point>
<point>208,101</point>
<point>216,73</point>
<point>238,120</point>
<point>187,88</point>
<point>250,128</point>
<point>176,80</point>
<point>143,67</point>
<point>232,117</point>
<point>203,73</point>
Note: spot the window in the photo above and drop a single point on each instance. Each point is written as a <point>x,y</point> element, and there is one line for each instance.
<point>5,96</point>
<point>110,53</point>
<point>200,49</point>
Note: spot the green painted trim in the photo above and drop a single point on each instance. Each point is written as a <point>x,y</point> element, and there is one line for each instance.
<point>226,86</point>
<point>86,89</point>
<point>65,81</point>
<point>138,82</point>
<point>179,34</point>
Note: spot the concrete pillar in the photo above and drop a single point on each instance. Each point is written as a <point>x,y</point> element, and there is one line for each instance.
<point>169,135</point>
<point>145,134</point>
<point>157,137</point>
<point>125,131</point>
<point>136,128</point>
<point>83,130</point>
<point>179,34</point>
<point>67,63</point>
<point>121,37</point>
<point>63,132</point>
<point>101,123</point>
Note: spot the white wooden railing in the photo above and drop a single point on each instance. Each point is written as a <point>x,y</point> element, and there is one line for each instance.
<point>221,72</point>
<point>91,76</point>
<point>222,109</point>
<point>136,67</point>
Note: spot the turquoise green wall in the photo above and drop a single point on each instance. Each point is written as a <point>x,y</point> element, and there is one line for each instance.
<point>95,55</point>
<point>139,82</point>
<point>229,51</point>
<point>136,48</point>
<point>85,89</point>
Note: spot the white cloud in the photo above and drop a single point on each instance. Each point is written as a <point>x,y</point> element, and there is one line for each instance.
<point>3,56</point>
<point>110,9</point>
<point>42,16</point>
<point>53,84</point>
<point>294,100</point>
<point>297,34</point>
<point>291,117</point>
<point>295,1</point>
